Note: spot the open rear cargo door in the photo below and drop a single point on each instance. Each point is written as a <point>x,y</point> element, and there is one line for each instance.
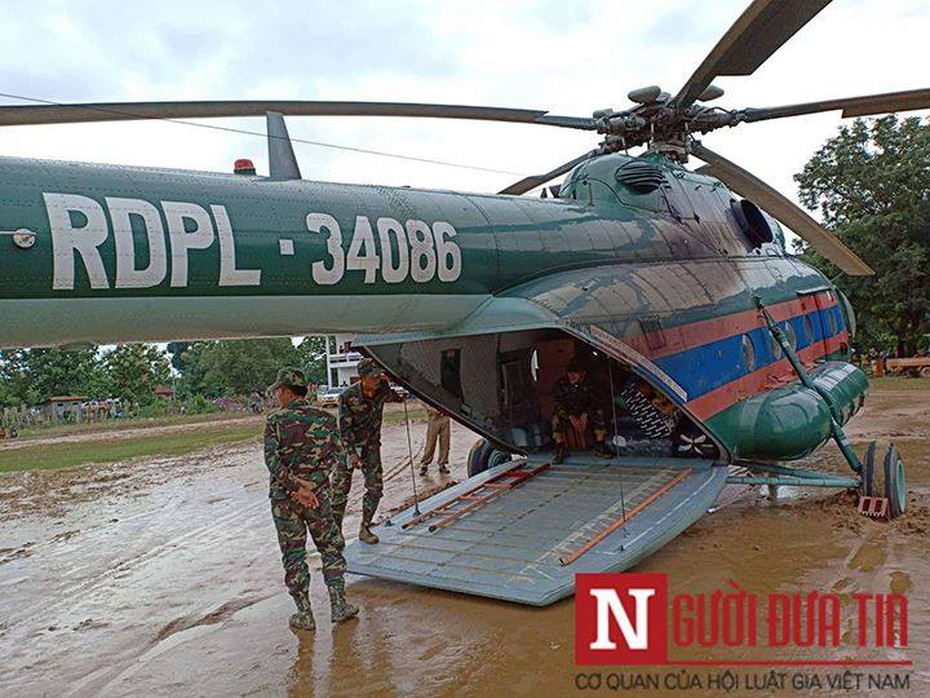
<point>520,531</point>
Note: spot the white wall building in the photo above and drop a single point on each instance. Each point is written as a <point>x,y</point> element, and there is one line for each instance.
<point>341,360</point>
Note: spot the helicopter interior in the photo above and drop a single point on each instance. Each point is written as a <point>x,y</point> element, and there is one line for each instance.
<point>503,384</point>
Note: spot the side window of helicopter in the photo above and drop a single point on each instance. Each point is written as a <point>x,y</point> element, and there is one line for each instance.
<point>749,353</point>
<point>831,322</point>
<point>774,346</point>
<point>790,334</point>
<point>808,330</point>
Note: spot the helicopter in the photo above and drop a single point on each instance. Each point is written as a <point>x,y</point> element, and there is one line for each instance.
<point>711,347</point>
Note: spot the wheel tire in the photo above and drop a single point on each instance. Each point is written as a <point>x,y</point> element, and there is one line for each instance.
<point>925,372</point>
<point>869,483</point>
<point>483,455</point>
<point>895,485</point>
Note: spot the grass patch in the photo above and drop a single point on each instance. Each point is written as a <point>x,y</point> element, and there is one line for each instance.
<point>117,425</point>
<point>899,383</point>
<point>107,446</point>
<point>107,450</point>
<point>416,412</point>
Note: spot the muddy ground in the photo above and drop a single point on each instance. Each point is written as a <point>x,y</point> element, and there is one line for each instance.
<point>162,576</point>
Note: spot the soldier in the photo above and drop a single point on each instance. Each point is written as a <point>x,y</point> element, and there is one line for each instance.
<point>360,412</point>
<point>301,445</point>
<point>438,426</point>
<point>576,404</point>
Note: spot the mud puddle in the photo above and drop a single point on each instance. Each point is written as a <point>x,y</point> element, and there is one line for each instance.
<point>162,576</point>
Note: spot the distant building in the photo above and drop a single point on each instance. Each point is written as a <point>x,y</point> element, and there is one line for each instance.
<point>341,359</point>
<point>163,391</point>
<point>64,408</point>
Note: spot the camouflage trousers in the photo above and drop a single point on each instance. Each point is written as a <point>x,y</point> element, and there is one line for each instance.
<point>374,486</point>
<point>561,423</point>
<point>292,521</point>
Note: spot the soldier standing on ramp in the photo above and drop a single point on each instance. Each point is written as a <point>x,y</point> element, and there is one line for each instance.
<point>301,445</point>
<point>360,411</point>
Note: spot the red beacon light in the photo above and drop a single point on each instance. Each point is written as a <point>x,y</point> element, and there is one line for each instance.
<point>244,166</point>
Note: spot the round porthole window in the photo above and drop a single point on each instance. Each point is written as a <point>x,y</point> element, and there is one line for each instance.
<point>774,346</point>
<point>749,352</point>
<point>792,338</point>
<point>808,330</point>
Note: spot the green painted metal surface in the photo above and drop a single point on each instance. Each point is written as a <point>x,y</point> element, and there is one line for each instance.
<point>791,421</point>
<point>375,255</point>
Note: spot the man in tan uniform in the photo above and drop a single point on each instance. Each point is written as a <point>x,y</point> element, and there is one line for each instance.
<point>438,427</point>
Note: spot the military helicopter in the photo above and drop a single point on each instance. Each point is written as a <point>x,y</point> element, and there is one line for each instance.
<point>711,346</point>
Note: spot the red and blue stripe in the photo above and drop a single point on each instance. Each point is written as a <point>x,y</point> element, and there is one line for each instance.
<point>707,357</point>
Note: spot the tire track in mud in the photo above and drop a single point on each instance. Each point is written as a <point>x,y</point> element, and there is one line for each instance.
<point>172,634</point>
<point>123,568</point>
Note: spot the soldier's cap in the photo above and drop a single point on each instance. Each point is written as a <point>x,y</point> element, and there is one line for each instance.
<point>289,378</point>
<point>368,367</point>
<point>576,365</point>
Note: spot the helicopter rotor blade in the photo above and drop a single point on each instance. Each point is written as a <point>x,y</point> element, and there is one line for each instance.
<point>748,185</point>
<point>528,183</point>
<point>851,106</point>
<point>128,111</point>
<point>756,34</point>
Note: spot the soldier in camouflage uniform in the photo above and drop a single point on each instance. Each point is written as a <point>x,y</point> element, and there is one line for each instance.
<point>576,404</point>
<point>301,445</point>
<point>360,412</point>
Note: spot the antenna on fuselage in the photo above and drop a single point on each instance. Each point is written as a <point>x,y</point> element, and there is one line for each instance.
<point>282,164</point>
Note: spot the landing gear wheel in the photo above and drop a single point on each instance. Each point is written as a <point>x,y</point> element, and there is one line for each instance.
<point>483,455</point>
<point>895,485</point>
<point>869,483</point>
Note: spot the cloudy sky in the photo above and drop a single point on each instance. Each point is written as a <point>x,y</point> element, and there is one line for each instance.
<point>568,57</point>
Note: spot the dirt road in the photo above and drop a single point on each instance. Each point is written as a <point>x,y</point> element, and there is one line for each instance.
<point>163,577</point>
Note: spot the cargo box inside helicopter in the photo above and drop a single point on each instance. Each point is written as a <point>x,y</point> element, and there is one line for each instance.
<point>525,522</point>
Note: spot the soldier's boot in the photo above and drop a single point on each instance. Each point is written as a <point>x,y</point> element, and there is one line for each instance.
<point>600,449</point>
<point>364,530</point>
<point>443,470</point>
<point>561,453</point>
<point>423,469</point>
<point>341,609</point>
<point>366,535</point>
<point>303,619</point>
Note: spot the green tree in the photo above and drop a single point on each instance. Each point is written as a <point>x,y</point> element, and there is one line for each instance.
<point>235,367</point>
<point>871,183</point>
<point>312,358</point>
<point>32,376</point>
<point>135,370</point>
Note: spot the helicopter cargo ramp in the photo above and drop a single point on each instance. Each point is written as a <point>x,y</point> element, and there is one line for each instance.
<point>522,530</point>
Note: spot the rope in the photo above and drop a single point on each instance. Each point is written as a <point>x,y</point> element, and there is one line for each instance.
<point>413,477</point>
<point>613,407</point>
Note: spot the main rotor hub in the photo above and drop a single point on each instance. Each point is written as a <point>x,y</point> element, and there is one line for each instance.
<point>660,124</point>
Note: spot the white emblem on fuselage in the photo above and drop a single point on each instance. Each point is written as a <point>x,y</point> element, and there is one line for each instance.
<point>412,250</point>
<point>157,242</point>
<point>79,226</point>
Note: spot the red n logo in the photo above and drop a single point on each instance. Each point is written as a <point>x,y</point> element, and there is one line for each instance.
<point>621,618</point>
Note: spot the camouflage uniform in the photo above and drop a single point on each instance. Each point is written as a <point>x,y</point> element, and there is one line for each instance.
<point>574,400</point>
<point>360,426</point>
<point>302,441</point>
